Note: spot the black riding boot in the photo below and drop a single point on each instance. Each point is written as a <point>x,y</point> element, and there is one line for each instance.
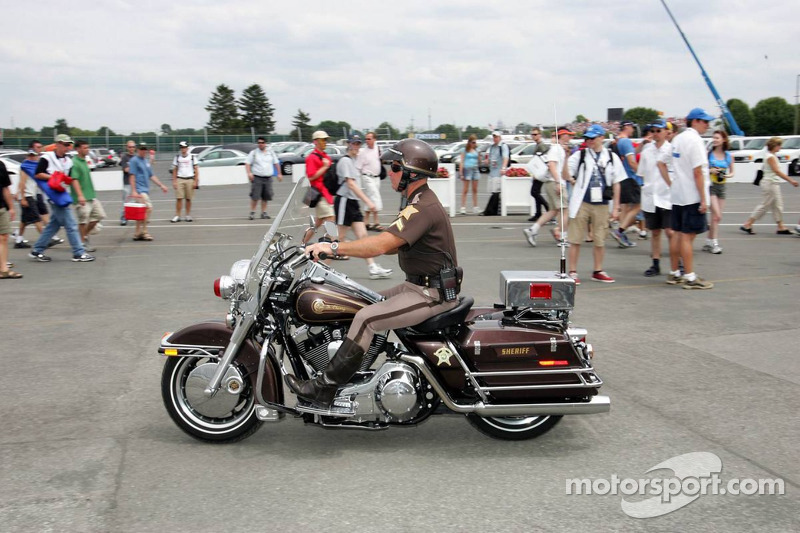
<point>322,390</point>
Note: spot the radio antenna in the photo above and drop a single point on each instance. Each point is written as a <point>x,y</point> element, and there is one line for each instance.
<point>560,194</point>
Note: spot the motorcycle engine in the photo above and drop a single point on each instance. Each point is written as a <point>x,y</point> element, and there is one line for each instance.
<point>318,345</point>
<point>398,393</point>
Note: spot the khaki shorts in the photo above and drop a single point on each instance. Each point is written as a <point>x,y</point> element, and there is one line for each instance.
<point>145,199</point>
<point>5,222</point>
<point>553,200</point>
<point>185,189</point>
<point>91,212</point>
<point>324,209</point>
<point>598,216</point>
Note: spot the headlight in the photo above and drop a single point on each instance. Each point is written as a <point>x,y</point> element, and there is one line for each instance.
<point>239,270</point>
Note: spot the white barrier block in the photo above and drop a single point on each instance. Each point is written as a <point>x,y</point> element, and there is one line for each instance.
<point>298,172</point>
<point>516,192</point>
<point>445,188</point>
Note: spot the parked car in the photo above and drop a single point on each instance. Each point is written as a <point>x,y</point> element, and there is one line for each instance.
<point>753,150</point>
<point>790,153</point>
<point>200,150</point>
<point>522,153</point>
<point>222,157</point>
<point>299,156</point>
<point>288,146</point>
<point>13,168</point>
<point>107,156</point>
<point>17,156</point>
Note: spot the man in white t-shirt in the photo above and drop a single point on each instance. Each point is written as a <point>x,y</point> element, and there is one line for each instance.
<point>656,203</point>
<point>554,188</point>
<point>185,179</point>
<point>368,163</point>
<point>261,165</point>
<point>690,197</point>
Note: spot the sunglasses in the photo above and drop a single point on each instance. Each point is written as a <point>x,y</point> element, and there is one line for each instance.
<point>262,142</point>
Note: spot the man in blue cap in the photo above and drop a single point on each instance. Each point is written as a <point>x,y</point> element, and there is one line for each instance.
<point>597,173</point>
<point>689,195</point>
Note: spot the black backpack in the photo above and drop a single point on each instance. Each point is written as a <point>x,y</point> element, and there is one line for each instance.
<point>330,179</point>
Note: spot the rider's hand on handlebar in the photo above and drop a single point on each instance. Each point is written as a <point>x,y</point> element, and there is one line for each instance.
<point>314,250</point>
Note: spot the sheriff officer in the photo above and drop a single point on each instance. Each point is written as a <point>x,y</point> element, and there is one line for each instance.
<point>422,237</point>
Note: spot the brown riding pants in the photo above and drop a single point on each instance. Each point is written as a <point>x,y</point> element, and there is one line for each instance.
<point>405,305</point>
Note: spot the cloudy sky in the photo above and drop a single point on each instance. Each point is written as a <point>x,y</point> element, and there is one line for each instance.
<point>136,65</point>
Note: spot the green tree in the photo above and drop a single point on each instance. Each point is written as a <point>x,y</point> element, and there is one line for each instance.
<point>223,114</point>
<point>47,133</point>
<point>336,129</point>
<point>452,133</point>
<point>479,132</point>
<point>581,118</point>
<point>62,126</point>
<point>523,128</point>
<point>257,113</point>
<point>742,114</point>
<point>166,129</point>
<point>301,127</point>
<point>773,116</point>
<point>641,115</point>
<point>386,131</point>
<point>102,130</point>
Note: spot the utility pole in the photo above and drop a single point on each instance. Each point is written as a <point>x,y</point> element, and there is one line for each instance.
<point>796,101</point>
<point>429,119</point>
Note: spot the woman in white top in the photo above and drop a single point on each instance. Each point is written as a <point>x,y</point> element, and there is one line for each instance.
<point>770,188</point>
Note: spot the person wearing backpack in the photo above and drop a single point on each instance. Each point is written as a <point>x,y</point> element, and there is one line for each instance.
<point>597,174</point>
<point>185,179</point>
<point>554,187</point>
<point>630,190</point>
<point>347,206</point>
<point>318,162</point>
<point>498,164</point>
<point>261,165</point>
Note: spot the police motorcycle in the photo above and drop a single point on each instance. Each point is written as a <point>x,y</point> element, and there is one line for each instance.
<point>513,369</point>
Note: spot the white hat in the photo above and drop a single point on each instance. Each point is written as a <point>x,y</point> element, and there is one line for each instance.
<point>319,134</point>
<point>497,132</point>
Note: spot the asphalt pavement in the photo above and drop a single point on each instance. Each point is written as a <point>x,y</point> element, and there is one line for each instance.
<point>88,446</point>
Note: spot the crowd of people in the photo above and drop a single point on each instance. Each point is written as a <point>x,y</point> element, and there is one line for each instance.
<point>667,184</point>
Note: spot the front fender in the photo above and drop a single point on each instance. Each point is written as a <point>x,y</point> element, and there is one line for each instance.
<point>208,336</point>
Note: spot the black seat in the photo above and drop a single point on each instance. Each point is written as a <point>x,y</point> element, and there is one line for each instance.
<point>454,316</point>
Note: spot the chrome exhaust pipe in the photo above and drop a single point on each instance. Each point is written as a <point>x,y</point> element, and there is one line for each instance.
<point>597,404</point>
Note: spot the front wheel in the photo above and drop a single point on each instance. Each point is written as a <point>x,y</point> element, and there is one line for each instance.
<point>286,169</point>
<point>225,417</point>
<point>513,427</point>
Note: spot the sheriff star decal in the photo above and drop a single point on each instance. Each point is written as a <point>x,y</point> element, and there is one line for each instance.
<point>404,214</point>
<point>444,356</point>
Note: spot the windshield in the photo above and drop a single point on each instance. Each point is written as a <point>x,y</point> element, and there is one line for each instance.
<point>286,230</point>
<point>755,144</point>
<point>791,143</point>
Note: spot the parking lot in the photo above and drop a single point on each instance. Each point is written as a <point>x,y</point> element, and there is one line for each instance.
<point>88,446</point>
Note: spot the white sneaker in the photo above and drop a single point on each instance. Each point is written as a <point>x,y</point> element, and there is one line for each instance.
<point>530,235</point>
<point>707,247</point>
<point>378,272</point>
<point>716,249</point>
<point>476,210</point>
<point>176,218</point>
<point>463,211</point>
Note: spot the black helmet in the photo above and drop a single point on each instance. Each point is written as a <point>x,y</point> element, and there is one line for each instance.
<point>415,156</point>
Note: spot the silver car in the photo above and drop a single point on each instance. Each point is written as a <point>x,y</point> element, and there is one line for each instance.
<point>222,157</point>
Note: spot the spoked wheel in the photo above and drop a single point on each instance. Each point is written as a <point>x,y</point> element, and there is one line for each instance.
<point>513,427</point>
<point>286,169</point>
<point>228,416</point>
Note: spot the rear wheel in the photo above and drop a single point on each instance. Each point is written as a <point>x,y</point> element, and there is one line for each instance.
<point>286,169</point>
<point>513,427</point>
<point>225,417</point>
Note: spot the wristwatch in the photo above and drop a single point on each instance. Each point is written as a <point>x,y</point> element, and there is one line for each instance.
<point>335,248</point>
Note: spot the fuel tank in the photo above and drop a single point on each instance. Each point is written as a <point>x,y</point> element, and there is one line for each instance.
<point>318,302</point>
